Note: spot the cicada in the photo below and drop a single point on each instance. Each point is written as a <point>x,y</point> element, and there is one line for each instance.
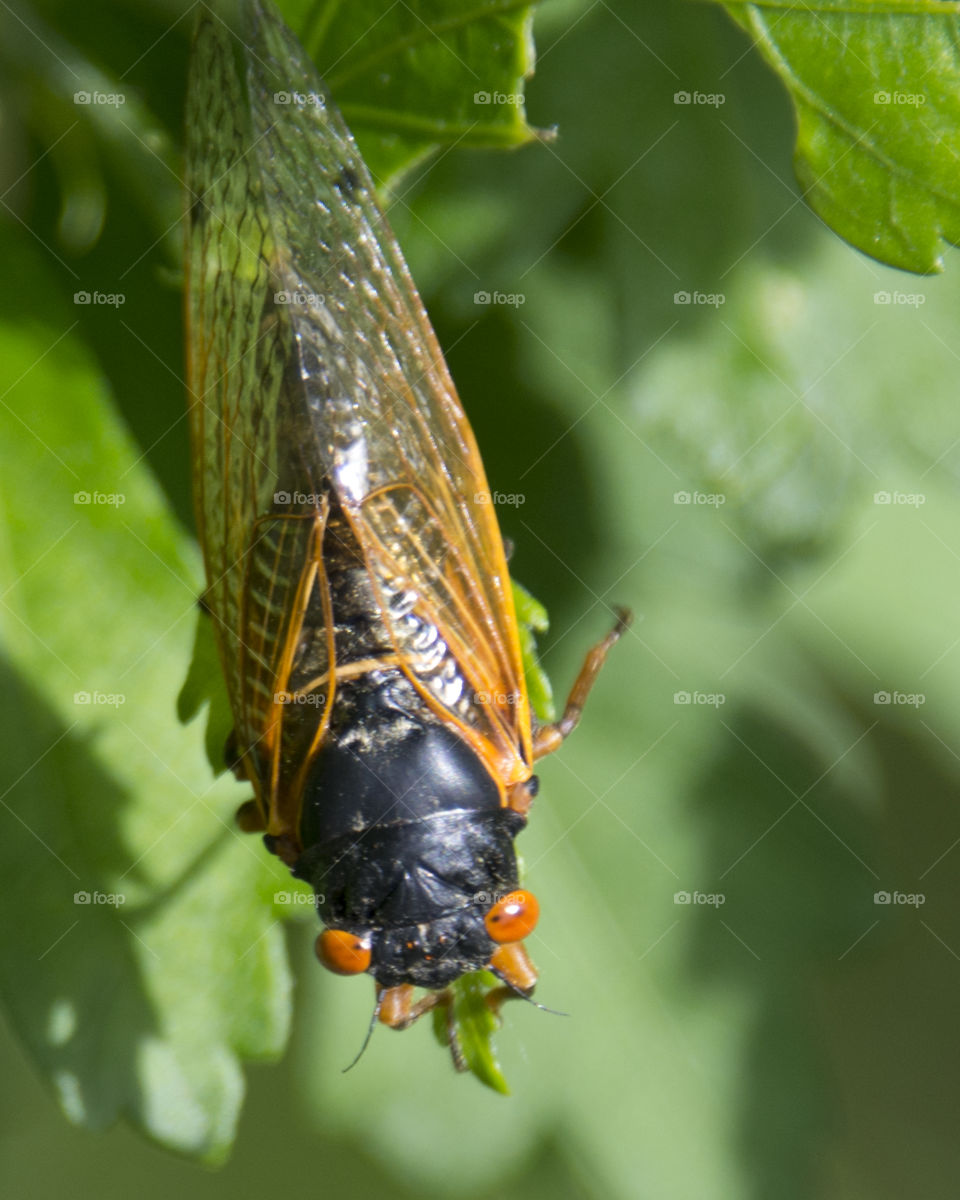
<point>356,574</point>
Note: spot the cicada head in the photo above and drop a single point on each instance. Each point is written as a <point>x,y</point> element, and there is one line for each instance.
<point>436,952</point>
<point>410,851</point>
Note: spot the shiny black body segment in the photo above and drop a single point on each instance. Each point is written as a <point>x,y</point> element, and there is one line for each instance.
<point>405,839</point>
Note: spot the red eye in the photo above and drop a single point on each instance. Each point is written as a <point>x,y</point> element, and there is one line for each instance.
<point>513,917</point>
<point>343,953</point>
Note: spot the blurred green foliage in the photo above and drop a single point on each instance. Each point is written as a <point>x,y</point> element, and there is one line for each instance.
<point>770,482</point>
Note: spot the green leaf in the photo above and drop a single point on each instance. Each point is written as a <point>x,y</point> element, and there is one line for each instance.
<point>532,619</point>
<point>876,91</point>
<point>204,688</point>
<point>413,78</point>
<point>470,1024</point>
<point>138,967</point>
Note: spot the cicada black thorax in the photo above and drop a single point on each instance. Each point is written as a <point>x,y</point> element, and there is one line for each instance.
<point>404,834</point>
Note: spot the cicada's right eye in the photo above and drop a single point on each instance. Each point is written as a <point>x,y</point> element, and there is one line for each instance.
<point>512,918</point>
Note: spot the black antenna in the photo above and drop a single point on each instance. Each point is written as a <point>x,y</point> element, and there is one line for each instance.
<point>366,1040</point>
<point>515,992</point>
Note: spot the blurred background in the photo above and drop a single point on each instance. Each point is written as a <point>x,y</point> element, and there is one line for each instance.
<point>703,405</point>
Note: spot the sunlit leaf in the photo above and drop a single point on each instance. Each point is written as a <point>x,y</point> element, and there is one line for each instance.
<point>876,91</point>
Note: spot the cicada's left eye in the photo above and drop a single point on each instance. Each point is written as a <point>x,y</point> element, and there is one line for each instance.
<point>513,917</point>
<point>343,953</point>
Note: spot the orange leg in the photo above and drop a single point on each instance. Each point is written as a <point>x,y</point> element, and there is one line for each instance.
<point>550,737</point>
<point>512,963</point>
<point>398,1011</point>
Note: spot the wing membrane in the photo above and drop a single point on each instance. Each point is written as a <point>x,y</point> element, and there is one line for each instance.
<point>312,366</point>
<point>384,415</point>
<point>286,647</point>
<point>244,411</point>
<point>235,350</point>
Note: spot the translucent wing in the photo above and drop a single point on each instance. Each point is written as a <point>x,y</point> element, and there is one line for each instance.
<point>264,570</point>
<point>286,646</point>
<point>383,415</point>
